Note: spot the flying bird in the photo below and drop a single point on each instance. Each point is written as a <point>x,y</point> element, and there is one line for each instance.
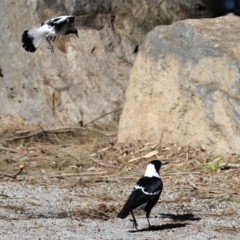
<point>53,30</point>
<point>145,193</point>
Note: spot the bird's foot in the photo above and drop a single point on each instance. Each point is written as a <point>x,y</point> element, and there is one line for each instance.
<point>135,225</point>
<point>51,47</point>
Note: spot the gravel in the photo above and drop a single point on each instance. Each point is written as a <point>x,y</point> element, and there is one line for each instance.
<point>60,212</point>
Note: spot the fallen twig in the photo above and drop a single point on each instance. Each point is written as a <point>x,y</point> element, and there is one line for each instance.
<point>10,150</point>
<point>104,115</point>
<point>94,197</point>
<point>192,184</point>
<point>104,164</point>
<point>180,173</point>
<point>175,200</point>
<point>21,132</point>
<point>21,167</point>
<point>148,155</point>
<point>105,149</point>
<point>229,165</point>
<point>87,174</point>
<point>33,133</point>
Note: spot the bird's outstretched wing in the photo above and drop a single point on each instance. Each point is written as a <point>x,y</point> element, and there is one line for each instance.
<point>144,190</point>
<point>60,41</point>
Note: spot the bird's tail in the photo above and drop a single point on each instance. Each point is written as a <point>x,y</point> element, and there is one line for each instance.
<point>31,39</point>
<point>123,213</point>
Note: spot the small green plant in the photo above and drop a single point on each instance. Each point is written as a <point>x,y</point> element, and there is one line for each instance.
<point>236,199</point>
<point>224,197</point>
<point>211,167</point>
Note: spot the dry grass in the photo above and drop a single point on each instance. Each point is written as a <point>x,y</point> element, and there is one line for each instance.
<point>92,154</point>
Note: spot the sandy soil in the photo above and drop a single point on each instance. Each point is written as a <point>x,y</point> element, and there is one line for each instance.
<point>75,181</point>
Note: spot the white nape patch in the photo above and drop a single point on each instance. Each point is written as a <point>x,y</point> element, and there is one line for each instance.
<point>147,193</point>
<point>151,171</point>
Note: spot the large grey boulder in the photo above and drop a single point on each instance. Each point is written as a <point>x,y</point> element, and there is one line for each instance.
<point>185,86</point>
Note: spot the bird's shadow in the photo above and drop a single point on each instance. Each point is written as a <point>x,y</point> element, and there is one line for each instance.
<point>160,227</point>
<point>175,217</point>
<point>181,217</point>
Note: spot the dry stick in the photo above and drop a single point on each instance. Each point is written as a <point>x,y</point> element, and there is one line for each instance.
<point>52,176</point>
<point>59,130</point>
<point>21,132</point>
<point>77,175</point>
<point>9,150</point>
<point>107,134</point>
<point>43,132</point>
<point>192,185</point>
<point>229,165</point>
<point>22,137</point>
<point>101,117</point>
<point>40,132</point>
<point>103,164</point>
<point>21,167</point>
<point>92,175</point>
<point>175,200</point>
<point>180,173</point>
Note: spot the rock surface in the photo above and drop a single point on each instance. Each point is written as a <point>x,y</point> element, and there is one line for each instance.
<point>184,86</point>
<point>90,79</point>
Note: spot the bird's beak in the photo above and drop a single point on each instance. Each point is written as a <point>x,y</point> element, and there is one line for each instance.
<point>77,35</point>
<point>164,162</point>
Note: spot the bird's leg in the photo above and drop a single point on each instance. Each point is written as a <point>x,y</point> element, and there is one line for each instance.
<point>134,221</point>
<point>50,45</point>
<point>149,223</point>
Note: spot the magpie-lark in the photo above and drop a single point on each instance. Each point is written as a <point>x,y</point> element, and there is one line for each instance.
<point>52,30</point>
<point>146,192</point>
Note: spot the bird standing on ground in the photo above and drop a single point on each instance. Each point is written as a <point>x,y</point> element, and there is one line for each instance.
<point>52,30</point>
<point>146,192</point>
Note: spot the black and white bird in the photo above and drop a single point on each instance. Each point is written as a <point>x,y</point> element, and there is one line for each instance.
<point>145,193</point>
<point>52,30</point>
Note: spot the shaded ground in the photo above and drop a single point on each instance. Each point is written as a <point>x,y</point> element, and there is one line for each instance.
<point>76,179</point>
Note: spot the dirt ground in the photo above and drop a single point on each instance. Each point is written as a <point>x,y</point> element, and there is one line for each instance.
<point>73,181</point>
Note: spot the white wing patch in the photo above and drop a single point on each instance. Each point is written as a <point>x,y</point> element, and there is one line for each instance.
<point>147,193</point>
